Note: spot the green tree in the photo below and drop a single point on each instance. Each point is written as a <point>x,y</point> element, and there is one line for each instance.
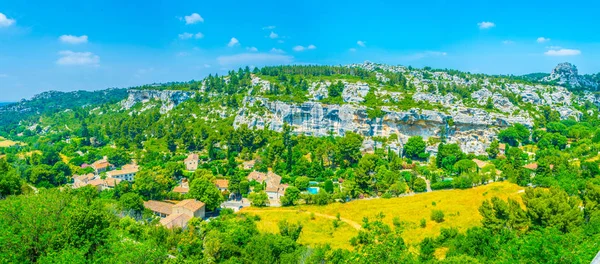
<point>259,199</point>
<point>494,149</point>
<point>203,189</point>
<point>415,148</point>
<point>131,202</point>
<point>302,183</point>
<point>291,196</point>
<point>499,215</point>
<point>553,208</point>
<point>437,215</point>
<point>420,185</point>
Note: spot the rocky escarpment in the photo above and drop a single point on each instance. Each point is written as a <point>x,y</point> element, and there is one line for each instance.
<point>168,99</point>
<point>472,128</point>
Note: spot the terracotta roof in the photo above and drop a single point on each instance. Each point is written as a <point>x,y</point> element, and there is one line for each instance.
<point>190,204</point>
<point>249,164</point>
<point>175,220</point>
<point>222,183</point>
<point>112,182</point>
<point>84,178</point>
<point>502,146</point>
<point>96,182</point>
<point>130,167</point>
<point>160,207</point>
<point>531,166</point>
<point>122,172</point>
<point>192,157</point>
<point>480,163</point>
<point>181,189</point>
<point>257,176</point>
<point>271,189</point>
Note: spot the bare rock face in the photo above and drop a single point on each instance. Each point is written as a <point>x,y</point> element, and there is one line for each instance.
<point>472,128</point>
<point>567,74</point>
<point>168,99</point>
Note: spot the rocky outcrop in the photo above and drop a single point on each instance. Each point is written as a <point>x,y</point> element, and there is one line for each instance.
<point>567,74</point>
<point>167,99</point>
<point>316,119</point>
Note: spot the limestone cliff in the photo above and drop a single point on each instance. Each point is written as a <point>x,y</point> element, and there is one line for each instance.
<point>167,99</point>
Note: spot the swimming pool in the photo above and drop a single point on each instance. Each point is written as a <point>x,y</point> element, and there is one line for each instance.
<point>313,190</point>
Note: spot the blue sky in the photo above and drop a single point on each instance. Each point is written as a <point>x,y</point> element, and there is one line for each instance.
<point>93,44</point>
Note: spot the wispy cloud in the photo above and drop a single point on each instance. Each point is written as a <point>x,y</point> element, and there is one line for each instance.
<point>187,35</point>
<point>508,42</point>
<point>361,43</point>
<point>3,75</point>
<point>542,40</point>
<point>245,59</point>
<point>280,51</point>
<point>253,49</point>
<point>69,58</point>
<point>352,50</point>
<point>485,25</point>
<point>302,48</point>
<point>193,19</point>
<point>273,35</point>
<point>426,54</point>
<point>562,52</point>
<point>70,39</point>
<point>5,21</point>
<point>233,42</point>
<point>268,28</point>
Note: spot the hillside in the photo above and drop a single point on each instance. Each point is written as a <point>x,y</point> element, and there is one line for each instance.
<point>363,163</point>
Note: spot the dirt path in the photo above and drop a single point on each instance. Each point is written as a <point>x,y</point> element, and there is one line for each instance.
<point>353,224</point>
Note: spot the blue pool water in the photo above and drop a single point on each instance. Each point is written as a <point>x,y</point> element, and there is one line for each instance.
<point>313,190</point>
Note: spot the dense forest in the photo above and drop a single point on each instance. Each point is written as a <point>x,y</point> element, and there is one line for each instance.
<point>557,219</point>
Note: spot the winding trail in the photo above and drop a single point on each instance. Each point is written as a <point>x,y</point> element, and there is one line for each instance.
<point>353,224</point>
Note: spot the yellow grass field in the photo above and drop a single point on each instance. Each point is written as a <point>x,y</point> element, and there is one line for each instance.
<point>459,206</point>
<point>5,143</point>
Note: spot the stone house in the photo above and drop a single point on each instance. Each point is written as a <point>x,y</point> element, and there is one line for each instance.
<point>191,162</point>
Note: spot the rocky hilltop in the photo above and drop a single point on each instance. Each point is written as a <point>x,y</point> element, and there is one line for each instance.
<point>567,74</point>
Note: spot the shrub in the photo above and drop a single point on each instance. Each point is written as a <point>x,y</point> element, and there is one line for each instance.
<point>441,185</point>
<point>423,223</point>
<point>437,215</point>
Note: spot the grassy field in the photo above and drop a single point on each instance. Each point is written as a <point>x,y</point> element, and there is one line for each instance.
<point>5,143</point>
<point>459,206</point>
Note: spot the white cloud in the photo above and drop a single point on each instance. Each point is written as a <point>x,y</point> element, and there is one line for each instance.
<point>77,58</point>
<point>280,51</point>
<point>253,49</point>
<point>361,43</point>
<point>182,54</point>
<point>486,25</point>
<point>311,47</point>
<point>302,48</point>
<point>193,19</point>
<point>233,42</point>
<point>70,39</point>
<point>273,35</point>
<point>187,35</point>
<point>426,54</point>
<point>5,21</point>
<point>268,27</point>
<point>508,42</point>
<point>562,52</point>
<point>553,47</point>
<point>352,50</point>
<point>542,40</point>
<point>280,41</point>
<point>244,59</point>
